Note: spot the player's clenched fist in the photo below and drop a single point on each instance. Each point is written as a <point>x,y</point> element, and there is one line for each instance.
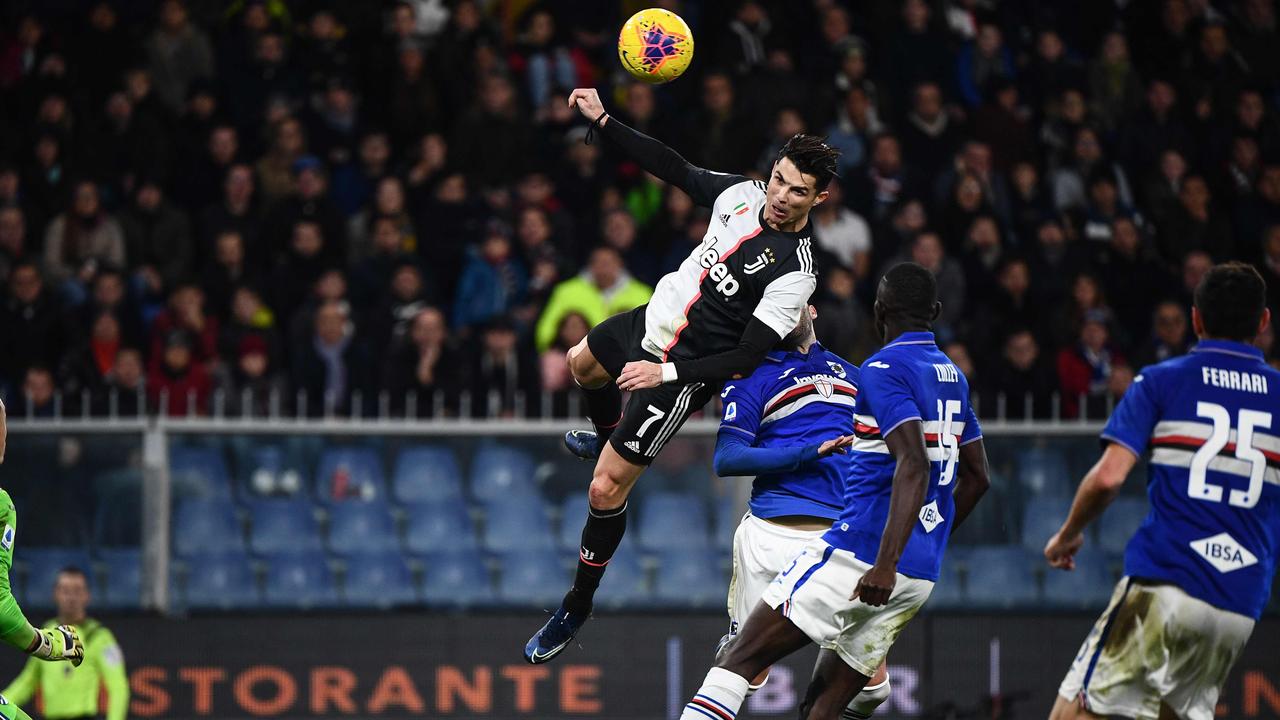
<point>875,586</point>
<point>1061,550</point>
<point>587,100</point>
<point>60,643</point>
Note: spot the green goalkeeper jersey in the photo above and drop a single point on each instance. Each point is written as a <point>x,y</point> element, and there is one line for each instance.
<point>14,628</point>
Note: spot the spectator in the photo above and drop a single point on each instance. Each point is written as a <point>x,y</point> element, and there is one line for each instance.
<point>492,282</point>
<point>1114,85</point>
<point>230,270</point>
<point>358,180</point>
<point>236,212</point>
<point>389,203</point>
<point>109,294</point>
<point>885,182</point>
<point>1156,128</point>
<point>158,238</point>
<point>555,369</point>
<point>415,104</point>
<point>547,65</point>
<point>492,141</point>
<point>842,321</point>
<point>928,250</point>
<point>77,242</point>
<point>1021,386</point>
<point>203,177</point>
<point>1052,70</point>
<point>309,203</point>
<point>334,123</point>
<point>1172,336</point>
<point>504,374</point>
<point>333,365</point>
<point>179,383</point>
<point>1029,204</point>
<point>725,139</point>
<point>1163,185</point>
<point>1104,209</point>
<point>929,136</point>
<point>185,312</point>
<point>1132,277</point>
<point>13,239</point>
<point>1085,368</point>
<point>422,373</point>
<point>1193,225</point>
<point>1069,182</point>
<point>981,62</point>
<point>38,395</point>
<point>179,53</point>
<point>917,53</point>
<point>842,232</point>
<point>407,296</point>
<point>603,289</point>
<point>1086,295</point>
<point>296,272</point>
<point>84,370</point>
<point>1269,266</point>
<point>32,331</point>
<point>1194,266</point>
<point>124,391</point>
<point>251,386</point>
<point>276,169</point>
<point>1004,125</point>
<point>856,124</point>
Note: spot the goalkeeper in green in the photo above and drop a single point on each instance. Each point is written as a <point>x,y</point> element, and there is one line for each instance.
<point>59,643</point>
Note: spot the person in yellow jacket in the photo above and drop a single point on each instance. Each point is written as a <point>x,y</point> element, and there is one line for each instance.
<point>604,289</point>
<point>67,693</point>
<point>49,644</point>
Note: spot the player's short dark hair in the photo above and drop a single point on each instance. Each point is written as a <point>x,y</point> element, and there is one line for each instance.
<point>1231,298</point>
<point>74,571</point>
<point>812,156</point>
<point>909,291</point>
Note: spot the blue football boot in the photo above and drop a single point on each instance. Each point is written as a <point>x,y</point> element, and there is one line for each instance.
<point>555,636</point>
<point>584,444</point>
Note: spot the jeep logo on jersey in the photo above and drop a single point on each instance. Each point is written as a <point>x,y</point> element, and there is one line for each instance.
<point>930,518</point>
<point>762,260</point>
<point>725,282</point>
<point>1223,553</point>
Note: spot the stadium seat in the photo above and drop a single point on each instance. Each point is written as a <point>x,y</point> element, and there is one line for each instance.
<point>625,584</point>
<point>349,473</point>
<point>989,522</point>
<point>728,517</point>
<point>426,473</point>
<point>948,591</point>
<point>282,526</point>
<point>1088,587</point>
<point>198,471</point>
<point>362,528</point>
<point>438,527</point>
<point>203,526</point>
<point>1000,576</point>
<point>1042,471</point>
<point>1041,518</point>
<point>690,578</point>
<point>456,580</point>
<point>532,578</point>
<point>671,521</point>
<point>220,581</point>
<point>573,513</point>
<point>378,579</point>
<point>118,521</point>
<point>271,470</point>
<point>42,566</point>
<point>121,586</point>
<point>1118,523</point>
<point>299,580</point>
<point>516,523</point>
<point>501,472</point>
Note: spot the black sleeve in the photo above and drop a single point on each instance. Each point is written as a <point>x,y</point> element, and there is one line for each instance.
<point>704,186</point>
<point>731,364</point>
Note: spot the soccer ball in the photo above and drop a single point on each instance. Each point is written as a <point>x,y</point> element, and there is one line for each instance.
<point>655,46</point>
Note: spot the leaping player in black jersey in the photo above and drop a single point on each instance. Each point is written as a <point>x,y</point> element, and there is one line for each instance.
<point>731,300</point>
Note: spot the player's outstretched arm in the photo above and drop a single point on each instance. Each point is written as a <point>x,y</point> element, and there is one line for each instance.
<point>910,481</point>
<point>735,457</point>
<point>1099,487</point>
<point>972,479</point>
<point>61,643</point>
<point>652,155</point>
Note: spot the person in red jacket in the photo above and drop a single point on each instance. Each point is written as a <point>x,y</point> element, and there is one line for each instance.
<point>1085,368</point>
<point>182,376</point>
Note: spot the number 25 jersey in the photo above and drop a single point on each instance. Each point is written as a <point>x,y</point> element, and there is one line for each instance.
<point>1211,420</point>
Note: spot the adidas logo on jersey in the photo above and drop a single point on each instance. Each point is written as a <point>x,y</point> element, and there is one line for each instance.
<point>632,445</point>
<point>724,219</point>
<point>1223,553</point>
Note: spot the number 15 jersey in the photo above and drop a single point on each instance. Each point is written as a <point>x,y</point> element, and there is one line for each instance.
<point>1211,420</point>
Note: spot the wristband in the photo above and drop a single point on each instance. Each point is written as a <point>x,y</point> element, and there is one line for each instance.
<point>595,125</point>
<point>43,648</point>
<point>669,374</point>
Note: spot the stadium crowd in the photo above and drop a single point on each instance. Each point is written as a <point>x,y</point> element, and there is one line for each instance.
<point>343,200</point>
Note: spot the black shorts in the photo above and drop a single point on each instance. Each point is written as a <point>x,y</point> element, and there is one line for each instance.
<point>653,415</point>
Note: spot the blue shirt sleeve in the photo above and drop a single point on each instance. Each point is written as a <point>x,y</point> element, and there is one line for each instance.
<point>887,393</point>
<point>1135,417</point>
<point>741,409</point>
<point>736,457</point>
<point>972,430</point>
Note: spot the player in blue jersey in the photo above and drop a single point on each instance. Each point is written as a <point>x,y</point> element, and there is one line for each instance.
<point>1198,571</point>
<point>919,467</point>
<point>788,424</point>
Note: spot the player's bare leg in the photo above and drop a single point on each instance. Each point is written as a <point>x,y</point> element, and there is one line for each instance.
<point>863,705</point>
<point>604,402</point>
<point>833,687</point>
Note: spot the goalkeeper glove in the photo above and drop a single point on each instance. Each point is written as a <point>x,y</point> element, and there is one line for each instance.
<point>60,643</point>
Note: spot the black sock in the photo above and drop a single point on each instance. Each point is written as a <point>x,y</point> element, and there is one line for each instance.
<point>600,539</point>
<point>604,408</point>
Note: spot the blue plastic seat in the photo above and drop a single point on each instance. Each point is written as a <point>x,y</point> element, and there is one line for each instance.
<point>349,473</point>
<point>282,526</point>
<point>118,520</point>
<point>122,580</point>
<point>1119,522</point>
<point>501,472</point>
<point>573,515</point>
<point>690,578</point>
<point>948,590</point>
<point>1043,471</point>
<point>1041,518</point>
<point>438,527</point>
<point>728,517</point>
<point>625,584</point>
<point>1088,587</point>
<point>198,471</point>
<point>220,581</point>
<point>204,526</point>
<point>1000,576</point>
<point>362,528</point>
<point>516,523</point>
<point>43,566</point>
<point>378,579</point>
<point>426,473</point>
<point>456,580</point>
<point>670,521</point>
<point>270,470</point>
<point>532,578</point>
<point>299,580</point>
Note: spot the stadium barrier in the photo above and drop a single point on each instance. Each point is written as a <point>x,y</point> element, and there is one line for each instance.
<point>627,667</point>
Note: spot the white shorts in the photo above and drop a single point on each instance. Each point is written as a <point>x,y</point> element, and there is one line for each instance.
<point>761,550</point>
<point>813,592</point>
<point>1156,643</point>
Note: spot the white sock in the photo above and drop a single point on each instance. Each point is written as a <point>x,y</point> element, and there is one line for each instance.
<point>719,698</point>
<point>864,705</point>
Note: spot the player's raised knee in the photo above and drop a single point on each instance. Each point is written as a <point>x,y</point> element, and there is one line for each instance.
<point>607,490</point>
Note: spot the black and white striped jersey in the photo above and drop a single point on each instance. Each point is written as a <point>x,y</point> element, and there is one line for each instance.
<point>742,269</point>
